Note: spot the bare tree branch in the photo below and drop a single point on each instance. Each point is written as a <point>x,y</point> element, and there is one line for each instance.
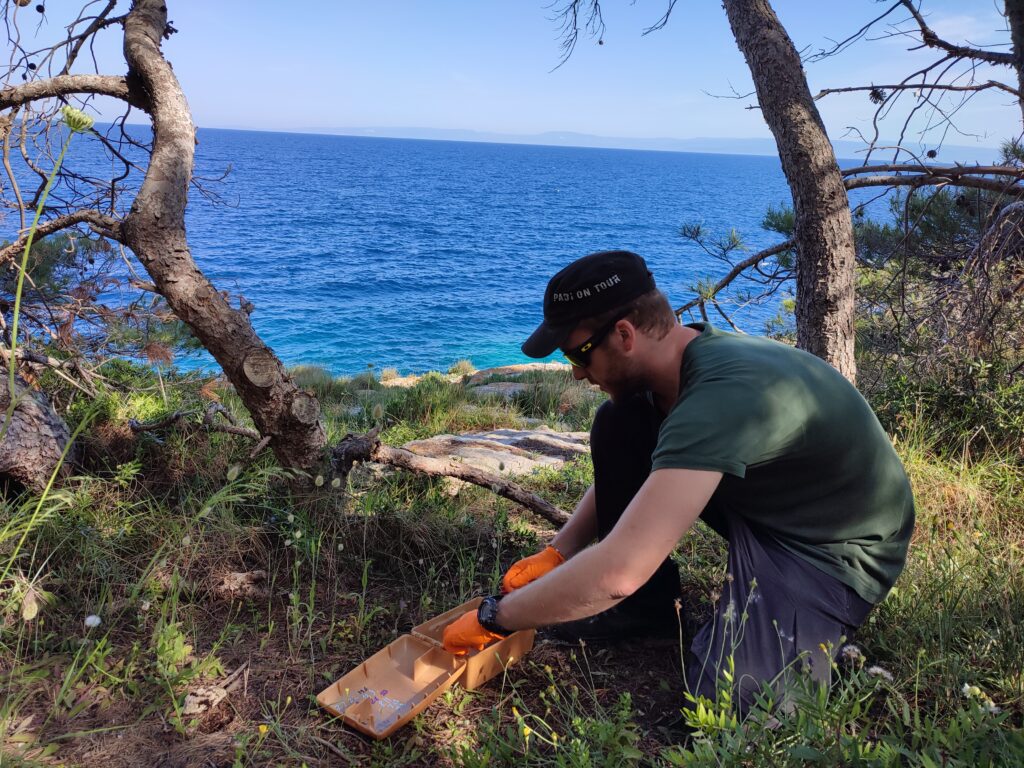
<point>842,44</point>
<point>65,85</point>
<point>660,23</point>
<point>932,40</point>
<point>919,87</point>
<point>231,427</point>
<point>925,180</point>
<point>948,171</point>
<point>572,24</point>
<point>100,21</point>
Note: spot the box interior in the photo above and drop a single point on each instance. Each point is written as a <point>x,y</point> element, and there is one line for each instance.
<point>388,687</point>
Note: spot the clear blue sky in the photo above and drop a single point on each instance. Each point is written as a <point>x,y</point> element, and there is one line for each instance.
<point>487,66</point>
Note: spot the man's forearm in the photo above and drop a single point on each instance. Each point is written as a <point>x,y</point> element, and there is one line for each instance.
<point>581,529</point>
<point>583,586</point>
<point>597,578</point>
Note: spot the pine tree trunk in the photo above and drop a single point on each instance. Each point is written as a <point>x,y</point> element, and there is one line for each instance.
<point>155,230</point>
<point>1015,19</point>
<point>32,443</point>
<point>824,230</point>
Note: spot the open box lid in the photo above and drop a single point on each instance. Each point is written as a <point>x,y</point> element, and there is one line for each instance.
<point>398,682</point>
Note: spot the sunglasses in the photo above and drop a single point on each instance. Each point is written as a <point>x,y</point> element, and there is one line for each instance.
<point>579,356</point>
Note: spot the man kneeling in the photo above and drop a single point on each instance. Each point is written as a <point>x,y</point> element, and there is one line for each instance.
<point>767,444</point>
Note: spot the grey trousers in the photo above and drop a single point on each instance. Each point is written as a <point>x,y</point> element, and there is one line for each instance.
<point>776,610</point>
<point>778,616</point>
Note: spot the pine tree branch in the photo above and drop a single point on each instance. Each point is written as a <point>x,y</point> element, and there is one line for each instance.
<point>109,227</point>
<point>735,272</point>
<point>65,85</point>
<point>932,40</point>
<point>921,87</point>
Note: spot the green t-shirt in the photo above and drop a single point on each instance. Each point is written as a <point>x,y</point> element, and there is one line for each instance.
<point>803,457</point>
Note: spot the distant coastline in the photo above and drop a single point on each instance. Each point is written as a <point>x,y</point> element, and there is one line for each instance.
<point>852,150</point>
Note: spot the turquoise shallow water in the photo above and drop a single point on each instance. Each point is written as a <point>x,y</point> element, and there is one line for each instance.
<point>415,254</point>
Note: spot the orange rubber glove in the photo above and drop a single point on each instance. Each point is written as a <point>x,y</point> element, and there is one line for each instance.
<point>530,568</point>
<point>465,633</point>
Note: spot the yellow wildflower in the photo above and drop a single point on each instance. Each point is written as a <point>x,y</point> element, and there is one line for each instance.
<point>263,729</point>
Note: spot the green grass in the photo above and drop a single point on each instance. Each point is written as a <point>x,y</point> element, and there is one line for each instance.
<point>146,532</point>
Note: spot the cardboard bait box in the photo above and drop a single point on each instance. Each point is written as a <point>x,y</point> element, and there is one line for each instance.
<point>398,682</point>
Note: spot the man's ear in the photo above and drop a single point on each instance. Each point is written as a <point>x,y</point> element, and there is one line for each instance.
<point>626,332</point>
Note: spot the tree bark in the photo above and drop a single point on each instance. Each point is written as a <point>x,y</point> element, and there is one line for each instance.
<point>824,229</point>
<point>32,443</point>
<point>155,230</point>
<point>1015,18</point>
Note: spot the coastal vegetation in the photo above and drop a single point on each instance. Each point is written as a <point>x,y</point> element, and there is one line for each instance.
<point>173,559</point>
<point>186,560</point>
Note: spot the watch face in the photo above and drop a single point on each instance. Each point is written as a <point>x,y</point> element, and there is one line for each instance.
<point>487,614</point>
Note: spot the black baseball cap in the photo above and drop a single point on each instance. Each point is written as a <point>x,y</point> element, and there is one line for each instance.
<point>588,287</point>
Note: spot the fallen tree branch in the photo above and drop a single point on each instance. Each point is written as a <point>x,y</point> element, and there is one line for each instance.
<point>208,422</point>
<point>59,367</point>
<point>151,426</point>
<point>367,447</point>
<point>231,427</point>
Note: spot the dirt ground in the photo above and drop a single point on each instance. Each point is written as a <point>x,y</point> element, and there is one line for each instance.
<point>269,685</point>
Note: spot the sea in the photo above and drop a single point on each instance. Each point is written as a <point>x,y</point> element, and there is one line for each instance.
<point>409,254</point>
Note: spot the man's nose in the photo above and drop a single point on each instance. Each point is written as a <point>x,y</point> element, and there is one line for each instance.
<point>579,372</point>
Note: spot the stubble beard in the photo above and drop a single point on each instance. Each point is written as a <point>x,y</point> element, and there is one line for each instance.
<point>622,381</point>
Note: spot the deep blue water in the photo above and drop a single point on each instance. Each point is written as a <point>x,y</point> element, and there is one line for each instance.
<point>414,254</point>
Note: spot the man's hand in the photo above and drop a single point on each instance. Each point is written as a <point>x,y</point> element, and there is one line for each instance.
<point>531,568</point>
<point>465,633</point>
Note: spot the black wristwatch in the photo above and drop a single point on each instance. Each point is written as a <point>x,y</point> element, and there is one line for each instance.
<point>487,615</point>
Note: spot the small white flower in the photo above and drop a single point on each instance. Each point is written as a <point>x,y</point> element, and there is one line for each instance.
<point>92,621</point>
<point>877,671</point>
<point>729,614</point>
<point>186,540</point>
<point>991,708</point>
<point>291,518</point>
<point>287,542</point>
<point>851,653</point>
<point>144,606</point>
<point>341,546</point>
<point>297,533</point>
<point>970,691</point>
